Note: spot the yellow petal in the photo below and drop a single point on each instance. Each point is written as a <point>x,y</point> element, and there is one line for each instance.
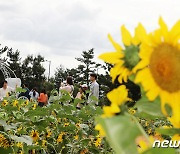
<point>116,70</point>
<point>164,29</point>
<point>175,33</point>
<point>116,45</point>
<point>141,34</point>
<point>118,96</point>
<point>111,57</point>
<point>126,36</point>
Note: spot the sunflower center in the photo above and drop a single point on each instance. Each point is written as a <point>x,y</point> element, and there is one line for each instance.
<point>165,67</point>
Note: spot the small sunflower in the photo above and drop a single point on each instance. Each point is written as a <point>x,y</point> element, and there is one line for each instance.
<point>4,143</point>
<point>60,137</point>
<point>34,135</point>
<point>76,137</point>
<point>100,129</point>
<point>19,144</point>
<point>44,143</point>
<point>49,133</point>
<point>5,103</point>
<point>15,103</point>
<point>34,106</point>
<point>159,68</point>
<point>123,60</point>
<point>98,141</point>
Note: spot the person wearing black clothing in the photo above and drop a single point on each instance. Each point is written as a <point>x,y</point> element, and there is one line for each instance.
<point>26,93</point>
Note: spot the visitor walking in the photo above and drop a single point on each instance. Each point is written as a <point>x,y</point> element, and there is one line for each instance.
<point>5,90</point>
<point>94,89</point>
<point>34,94</point>
<point>43,98</point>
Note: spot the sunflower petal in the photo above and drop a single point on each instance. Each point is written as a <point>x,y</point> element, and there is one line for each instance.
<point>164,29</point>
<point>126,36</point>
<point>116,45</point>
<point>112,57</point>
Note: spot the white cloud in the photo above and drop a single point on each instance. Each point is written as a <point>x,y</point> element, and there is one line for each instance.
<point>60,30</point>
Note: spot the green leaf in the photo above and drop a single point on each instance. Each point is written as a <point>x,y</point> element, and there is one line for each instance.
<point>20,89</point>
<point>147,109</point>
<point>160,151</point>
<point>121,133</point>
<point>169,131</point>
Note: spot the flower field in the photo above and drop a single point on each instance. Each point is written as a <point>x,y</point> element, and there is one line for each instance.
<point>57,128</point>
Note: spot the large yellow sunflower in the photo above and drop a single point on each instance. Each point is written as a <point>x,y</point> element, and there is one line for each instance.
<point>160,66</point>
<point>123,60</point>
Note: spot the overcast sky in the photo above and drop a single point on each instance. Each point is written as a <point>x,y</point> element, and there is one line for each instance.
<point>61,29</point>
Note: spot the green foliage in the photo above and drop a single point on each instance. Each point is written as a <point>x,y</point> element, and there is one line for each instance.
<point>18,118</point>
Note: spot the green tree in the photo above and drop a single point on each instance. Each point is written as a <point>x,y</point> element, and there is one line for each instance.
<point>2,50</point>
<point>87,64</point>
<point>14,62</point>
<point>33,71</point>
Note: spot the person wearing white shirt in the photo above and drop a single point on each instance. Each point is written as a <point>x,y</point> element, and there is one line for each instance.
<point>69,87</point>
<point>5,90</point>
<point>34,94</point>
<point>94,89</point>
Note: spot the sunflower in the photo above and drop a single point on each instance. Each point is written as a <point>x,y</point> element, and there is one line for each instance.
<point>60,137</point>
<point>19,144</point>
<point>116,101</point>
<point>49,133</point>
<point>159,68</point>
<point>15,103</point>
<point>100,129</point>
<point>44,143</point>
<point>76,137</point>
<point>4,143</point>
<point>5,103</point>
<point>98,141</point>
<point>123,60</point>
<point>34,135</point>
<point>34,106</point>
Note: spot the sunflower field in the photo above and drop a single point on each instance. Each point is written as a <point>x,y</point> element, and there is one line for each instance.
<point>149,59</point>
<point>58,128</point>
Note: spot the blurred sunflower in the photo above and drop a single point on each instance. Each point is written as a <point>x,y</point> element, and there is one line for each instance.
<point>60,137</point>
<point>124,60</point>
<point>15,103</point>
<point>160,66</point>
<point>34,106</point>
<point>100,129</point>
<point>34,135</point>
<point>98,141</point>
<point>116,101</point>
<point>5,103</point>
<point>4,143</point>
<point>49,133</point>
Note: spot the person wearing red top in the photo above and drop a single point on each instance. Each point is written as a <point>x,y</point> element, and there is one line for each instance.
<point>43,98</point>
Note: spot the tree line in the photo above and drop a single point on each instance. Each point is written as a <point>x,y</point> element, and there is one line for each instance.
<point>32,72</point>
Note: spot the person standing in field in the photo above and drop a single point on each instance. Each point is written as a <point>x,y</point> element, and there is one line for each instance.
<point>81,94</point>
<point>43,98</point>
<point>5,90</point>
<point>69,87</point>
<point>94,89</point>
<point>34,94</point>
